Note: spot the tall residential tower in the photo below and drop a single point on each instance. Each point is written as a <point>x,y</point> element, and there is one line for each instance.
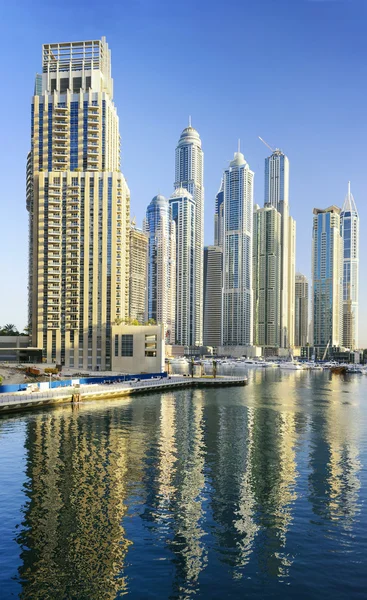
<point>349,221</point>
<point>212,318</point>
<point>266,275</point>
<point>189,174</point>
<point>183,211</point>
<point>277,195</point>
<point>161,232</point>
<point>237,325</point>
<point>301,310</point>
<point>327,273</point>
<point>78,202</point>
<point>138,275</point>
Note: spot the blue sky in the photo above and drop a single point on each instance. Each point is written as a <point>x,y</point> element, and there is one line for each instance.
<point>291,71</point>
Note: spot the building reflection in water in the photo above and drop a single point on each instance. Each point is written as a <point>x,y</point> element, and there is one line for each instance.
<point>72,539</point>
<point>211,477</point>
<point>334,476</point>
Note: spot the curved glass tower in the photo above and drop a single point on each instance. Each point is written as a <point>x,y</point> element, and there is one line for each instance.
<point>189,174</point>
<point>183,211</point>
<point>160,230</point>
<point>349,228</point>
<point>237,259</point>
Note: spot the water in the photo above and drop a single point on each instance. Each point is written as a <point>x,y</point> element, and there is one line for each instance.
<point>232,493</point>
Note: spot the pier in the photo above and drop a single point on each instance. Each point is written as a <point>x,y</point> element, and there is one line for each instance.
<point>76,394</point>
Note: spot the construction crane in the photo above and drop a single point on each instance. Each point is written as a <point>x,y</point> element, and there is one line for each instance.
<point>326,349</point>
<point>266,144</point>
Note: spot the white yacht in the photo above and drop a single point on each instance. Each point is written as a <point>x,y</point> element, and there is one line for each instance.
<point>291,365</point>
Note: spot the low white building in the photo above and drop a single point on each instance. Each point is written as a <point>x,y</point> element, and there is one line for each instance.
<point>138,348</point>
<point>239,351</point>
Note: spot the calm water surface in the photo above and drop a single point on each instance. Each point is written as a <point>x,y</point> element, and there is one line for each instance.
<point>255,492</point>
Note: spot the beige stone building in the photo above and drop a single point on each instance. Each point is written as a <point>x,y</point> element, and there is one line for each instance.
<point>138,275</point>
<point>138,349</point>
<point>79,207</point>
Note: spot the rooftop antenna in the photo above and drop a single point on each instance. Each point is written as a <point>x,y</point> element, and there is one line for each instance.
<point>348,189</point>
<point>239,145</point>
<point>266,144</point>
<point>189,120</point>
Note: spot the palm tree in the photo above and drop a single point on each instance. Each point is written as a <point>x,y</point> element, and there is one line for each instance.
<point>9,329</point>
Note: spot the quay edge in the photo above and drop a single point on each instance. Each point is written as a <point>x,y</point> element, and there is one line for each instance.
<point>18,401</point>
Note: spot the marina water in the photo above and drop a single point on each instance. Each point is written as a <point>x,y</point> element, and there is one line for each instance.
<point>222,493</point>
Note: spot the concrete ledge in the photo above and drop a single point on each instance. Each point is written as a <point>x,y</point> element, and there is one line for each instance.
<point>23,401</point>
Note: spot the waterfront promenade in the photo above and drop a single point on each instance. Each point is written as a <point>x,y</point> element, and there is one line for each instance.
<point>29,400</point>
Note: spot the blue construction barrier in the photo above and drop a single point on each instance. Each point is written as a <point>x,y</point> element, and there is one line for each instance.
<point>15,387</point>
<point>18,387</point>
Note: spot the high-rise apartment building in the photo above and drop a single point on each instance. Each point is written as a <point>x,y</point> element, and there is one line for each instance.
<point>219,216</point>
<point>277,194</point>
<point>349,220</point>
<point>183,212</point>
<point>213,264</point>
<point>327,273</point>
<point>267,255</point>
<point>78,202</point>
<point>161,232</point>
<point>138,275</point>
<point>301,310</point>
<point>237,325</point>
<point>291,279</point>
<point>189,174</point>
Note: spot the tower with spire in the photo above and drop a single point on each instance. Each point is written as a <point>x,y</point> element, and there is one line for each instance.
<point>349,225</point>
<point>237,253</point>
<point>189,175</point>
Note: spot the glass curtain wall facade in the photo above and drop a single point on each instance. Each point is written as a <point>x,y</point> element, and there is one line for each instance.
<point>237,257</point>
<point>327,273</point>
<point>219,216</point>
<point>189,175</point>
<point>79,206</point>
<point>349,221</point>
<point>183,212</point>
<point>161,232</point>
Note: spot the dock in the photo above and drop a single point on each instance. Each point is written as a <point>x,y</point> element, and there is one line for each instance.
<point>18,401</point>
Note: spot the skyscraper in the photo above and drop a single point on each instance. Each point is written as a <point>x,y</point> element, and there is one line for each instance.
<point>213,262</point>
<point>277,194</point>
<point>237,257</point>
<point>138,275</point>
<point>189,174</point>
<point>349,221</point>
<point>161,233</point>
<point>327,296</point>
<point>219,216</point>
<point>291,279</point>
<point>301,310</point>
<point>266,275</point>
<point>183,211</point>
<point>78,202</point>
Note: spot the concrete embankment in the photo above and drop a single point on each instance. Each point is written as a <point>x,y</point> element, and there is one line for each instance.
<point>25,400</point>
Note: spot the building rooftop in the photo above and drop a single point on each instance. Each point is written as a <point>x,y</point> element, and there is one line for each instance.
<point>331,209</point>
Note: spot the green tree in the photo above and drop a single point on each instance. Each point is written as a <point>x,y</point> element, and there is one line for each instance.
<point>9,329</point>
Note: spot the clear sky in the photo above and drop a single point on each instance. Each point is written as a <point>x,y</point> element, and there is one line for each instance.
<point>291,71</point>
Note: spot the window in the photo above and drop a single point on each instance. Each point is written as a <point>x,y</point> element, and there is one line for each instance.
<point>127,345</point>
<point>64,84</point>
<point>151,345</point>
<point>116,345</point>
